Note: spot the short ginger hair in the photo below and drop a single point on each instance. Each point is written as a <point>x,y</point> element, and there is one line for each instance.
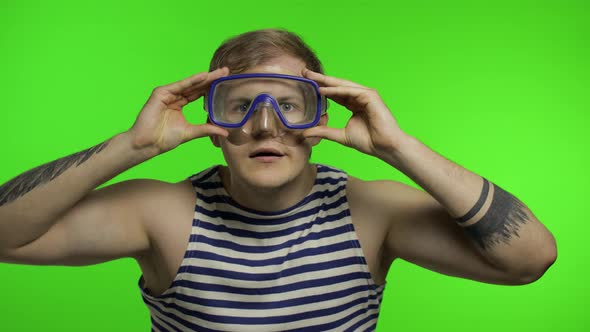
<point>253,48</point>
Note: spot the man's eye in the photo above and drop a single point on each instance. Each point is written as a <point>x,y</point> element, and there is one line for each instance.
<point>243,107</point>
<point>286,107</point>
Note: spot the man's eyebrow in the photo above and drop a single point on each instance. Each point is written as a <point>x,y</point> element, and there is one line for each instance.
<point>289,97</point>
<point>239,99</point>
<point>280,97</point>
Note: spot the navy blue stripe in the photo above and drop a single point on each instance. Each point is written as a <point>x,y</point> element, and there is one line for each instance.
<point>281,319</point>
<point>198,178</point>
<point>329,180</point>
<point>327,169</point>
<point>315,194</point>
<point>213,198</point>
<point>314,267</point>
<point>221,228</point>
<point>209,180</point>
<point>372,327</point>
<point>313,299</point>
<point>203,175</point>
<point>208,185</point>
<point>231,216</point>
<point>160,327</point>
<point>355,326</point>
<point>181,321</point>
<point>304,284</point>
<point>309,252</point>
<point>334,324</point>
<point>166,314</point>
<point>209,199</point>
<point>216,185</point>
<point>267,249</point>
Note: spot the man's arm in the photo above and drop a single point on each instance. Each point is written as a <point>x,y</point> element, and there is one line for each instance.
<point>120,220</point>
<point>53,215</point>
<point>34,201</point>
<point>510,240</point>
<point>464,205</point>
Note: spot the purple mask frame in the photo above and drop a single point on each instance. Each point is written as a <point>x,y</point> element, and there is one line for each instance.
<point>263,97</point>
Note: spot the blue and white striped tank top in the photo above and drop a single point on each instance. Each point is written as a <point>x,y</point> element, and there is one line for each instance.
<point>300,269</point>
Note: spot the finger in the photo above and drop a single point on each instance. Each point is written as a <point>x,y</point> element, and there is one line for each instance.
<point>339,100</point>
<point>324,80</point>
<point>197,80</point>
<point>202,130</point>
<point>201,87</point>
<point>181,85</point>
<point>344,92</point>
<point>194,96</point>
<point>190,97</point>
<point>333,134</point>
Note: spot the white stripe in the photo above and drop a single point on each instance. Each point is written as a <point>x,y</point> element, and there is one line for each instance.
<point>348,237</point>
<point>270,327</point>
<point>295,263</point>
<point>257,285</point>
<point>161,322</point>
<point>272,283</point>
<point>248,241</point>
<point>280,253</point>
<point>274,312</point>
<point>309,244</point>
<point>169,321</point>
<point>226,208</point>
<point>359,318</point>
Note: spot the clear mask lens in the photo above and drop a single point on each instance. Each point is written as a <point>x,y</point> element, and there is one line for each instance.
<point>273,105</point>
<point>233,99</point>
<point>264,122</point>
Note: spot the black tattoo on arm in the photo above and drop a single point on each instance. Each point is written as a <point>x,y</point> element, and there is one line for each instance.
<point>502,220</point>
<point>29,180</point>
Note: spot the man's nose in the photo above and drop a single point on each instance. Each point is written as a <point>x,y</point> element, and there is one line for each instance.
<point>265,120</point>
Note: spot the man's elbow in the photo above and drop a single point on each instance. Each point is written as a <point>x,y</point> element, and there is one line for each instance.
<point>539,264</point>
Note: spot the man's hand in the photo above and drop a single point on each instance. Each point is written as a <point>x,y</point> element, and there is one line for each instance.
<point>371,128</point>
<point>161,126</point>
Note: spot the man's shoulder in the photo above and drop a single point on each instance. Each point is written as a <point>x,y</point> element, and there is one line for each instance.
<point>388,197</point>
<point>378,187</point>
<point>147,188</point>
<point>150,197</point>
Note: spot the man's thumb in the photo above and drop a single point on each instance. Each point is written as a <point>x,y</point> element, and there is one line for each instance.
<point>333,134</point>
<point>197,131</point>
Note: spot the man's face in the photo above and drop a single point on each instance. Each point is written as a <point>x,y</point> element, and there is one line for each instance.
<point>265,160</point>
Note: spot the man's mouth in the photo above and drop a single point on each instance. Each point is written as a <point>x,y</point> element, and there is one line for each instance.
<point>266,154</point>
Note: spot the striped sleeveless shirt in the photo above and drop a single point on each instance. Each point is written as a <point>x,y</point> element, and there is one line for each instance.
<point>300,269</point>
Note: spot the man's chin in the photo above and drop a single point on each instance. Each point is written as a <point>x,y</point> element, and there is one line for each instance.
<point>268,178</point>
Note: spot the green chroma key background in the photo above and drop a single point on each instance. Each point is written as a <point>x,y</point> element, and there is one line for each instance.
<point>500,87</point>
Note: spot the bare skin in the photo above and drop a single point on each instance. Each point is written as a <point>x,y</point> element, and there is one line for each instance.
<point>74,224</point>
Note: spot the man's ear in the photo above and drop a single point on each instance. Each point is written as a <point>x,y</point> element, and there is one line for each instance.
<point>323,121</point>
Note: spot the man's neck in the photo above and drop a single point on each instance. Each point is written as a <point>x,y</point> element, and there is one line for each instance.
<point>269,199</point>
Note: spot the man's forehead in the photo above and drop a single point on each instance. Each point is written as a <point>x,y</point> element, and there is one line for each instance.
<point>263,83</point>
<point>273,69</point>
<point>284,64</point>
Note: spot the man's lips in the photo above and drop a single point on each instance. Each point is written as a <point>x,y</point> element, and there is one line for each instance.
<point>266,153</point>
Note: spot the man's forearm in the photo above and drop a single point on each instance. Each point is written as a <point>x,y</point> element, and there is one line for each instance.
<point>32,201</point>
<point>506,231</point>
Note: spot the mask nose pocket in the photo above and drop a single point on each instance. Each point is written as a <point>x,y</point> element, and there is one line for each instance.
<point>265,120</point>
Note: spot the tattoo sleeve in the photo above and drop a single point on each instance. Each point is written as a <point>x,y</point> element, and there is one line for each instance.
<point>29,180</point>
<point>501,221</point>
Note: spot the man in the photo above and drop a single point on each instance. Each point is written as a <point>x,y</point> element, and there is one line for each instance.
<point>269,242</point>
